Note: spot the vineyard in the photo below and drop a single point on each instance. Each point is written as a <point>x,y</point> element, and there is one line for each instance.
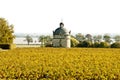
<point>60,64</point>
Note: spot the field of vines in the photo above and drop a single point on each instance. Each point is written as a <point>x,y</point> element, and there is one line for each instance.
<point>60,64</point>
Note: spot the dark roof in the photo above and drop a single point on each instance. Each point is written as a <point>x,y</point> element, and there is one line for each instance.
<point>60,31</point>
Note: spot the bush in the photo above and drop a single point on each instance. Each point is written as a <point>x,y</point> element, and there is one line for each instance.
<point>48,45</point>
<point>96,45</point>
<point>7,46</point>
<point>104,45</point>
<point>115,45</point>
<point>74,42</point>
<point>85,44</point>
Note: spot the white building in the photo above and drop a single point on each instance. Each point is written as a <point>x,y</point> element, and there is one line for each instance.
<point>61,37</point>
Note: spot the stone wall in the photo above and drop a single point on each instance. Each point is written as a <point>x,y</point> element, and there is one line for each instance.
<point>62,42</point>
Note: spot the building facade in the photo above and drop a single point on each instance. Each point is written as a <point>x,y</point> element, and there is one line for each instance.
<point>61,37</point>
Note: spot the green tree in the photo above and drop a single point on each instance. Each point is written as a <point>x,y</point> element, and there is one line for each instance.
<point>45,40</point>
<point>48,42</point>
<point>115,45</point>
<point>42,40</point>
<point>117,38</point>
<point>96,45</point>
<point>107,38</point>
<point>89,37</point>
<point>85,44</point>
<point>104,45</point>
<point>29,39</point>
<point>97,38</point>
<point>80,37</point>
<point>6,32</point>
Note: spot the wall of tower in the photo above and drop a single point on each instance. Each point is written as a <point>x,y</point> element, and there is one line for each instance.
<point>59,42</point>
<point>62,42</point>
<point>68,42</point>
<point>56,43</point>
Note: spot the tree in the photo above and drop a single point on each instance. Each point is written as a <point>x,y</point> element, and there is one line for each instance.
<point>104,45</point>
<point>48,42</point>
<point>29,39</point>
<point>79,37</point>
<point>6,32</point>
<point>85,44</point>
<point>42,39</point>
<point>45,40</point>
<point>74,42</point>
<point>96,44</point>
<point>97,38</point>
<point>117,38</point>
<point>107,38</point>
<point>115,45</point>
<point>89,37</point>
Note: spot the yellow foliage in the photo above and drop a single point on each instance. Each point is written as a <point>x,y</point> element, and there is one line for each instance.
<point>60,64</point>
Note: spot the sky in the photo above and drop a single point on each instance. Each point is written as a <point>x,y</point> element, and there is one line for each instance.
<point>79,16</point>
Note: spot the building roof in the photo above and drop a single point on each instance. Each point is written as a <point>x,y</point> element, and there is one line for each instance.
<point>61,30</point>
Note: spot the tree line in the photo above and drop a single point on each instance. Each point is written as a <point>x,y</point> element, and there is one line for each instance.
<point>45,40</point>
<point>96,41</point>
<point>78,40</point>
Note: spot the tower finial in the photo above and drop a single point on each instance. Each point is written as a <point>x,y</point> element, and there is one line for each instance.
<point>61,24</point>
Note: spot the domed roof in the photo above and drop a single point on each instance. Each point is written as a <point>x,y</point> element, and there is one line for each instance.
<point>61,30</point>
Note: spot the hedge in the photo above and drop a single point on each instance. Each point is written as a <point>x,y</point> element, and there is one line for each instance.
<point>7,46</point>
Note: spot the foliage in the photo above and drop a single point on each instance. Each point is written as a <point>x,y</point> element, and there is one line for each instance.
<point>7,46</point>
<point>104,45</point>
<point>6,32</point>
<point>115,45</point>
<point>80,37</point>
<point>89,37</point>
<point>45,40</point>
<point>48,45</point>
<point>29,39</point>
<point>60,64</point>
<point>107,38</point>
<point>74,42</point>
<point>97,38</point>
<point>96,45</point>
<point>117,38</point>
<point>85,44</point>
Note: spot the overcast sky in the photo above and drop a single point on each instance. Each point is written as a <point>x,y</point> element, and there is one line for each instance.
<point>79,16</point>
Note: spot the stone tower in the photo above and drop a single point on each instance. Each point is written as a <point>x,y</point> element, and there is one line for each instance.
<point>61,37</point>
